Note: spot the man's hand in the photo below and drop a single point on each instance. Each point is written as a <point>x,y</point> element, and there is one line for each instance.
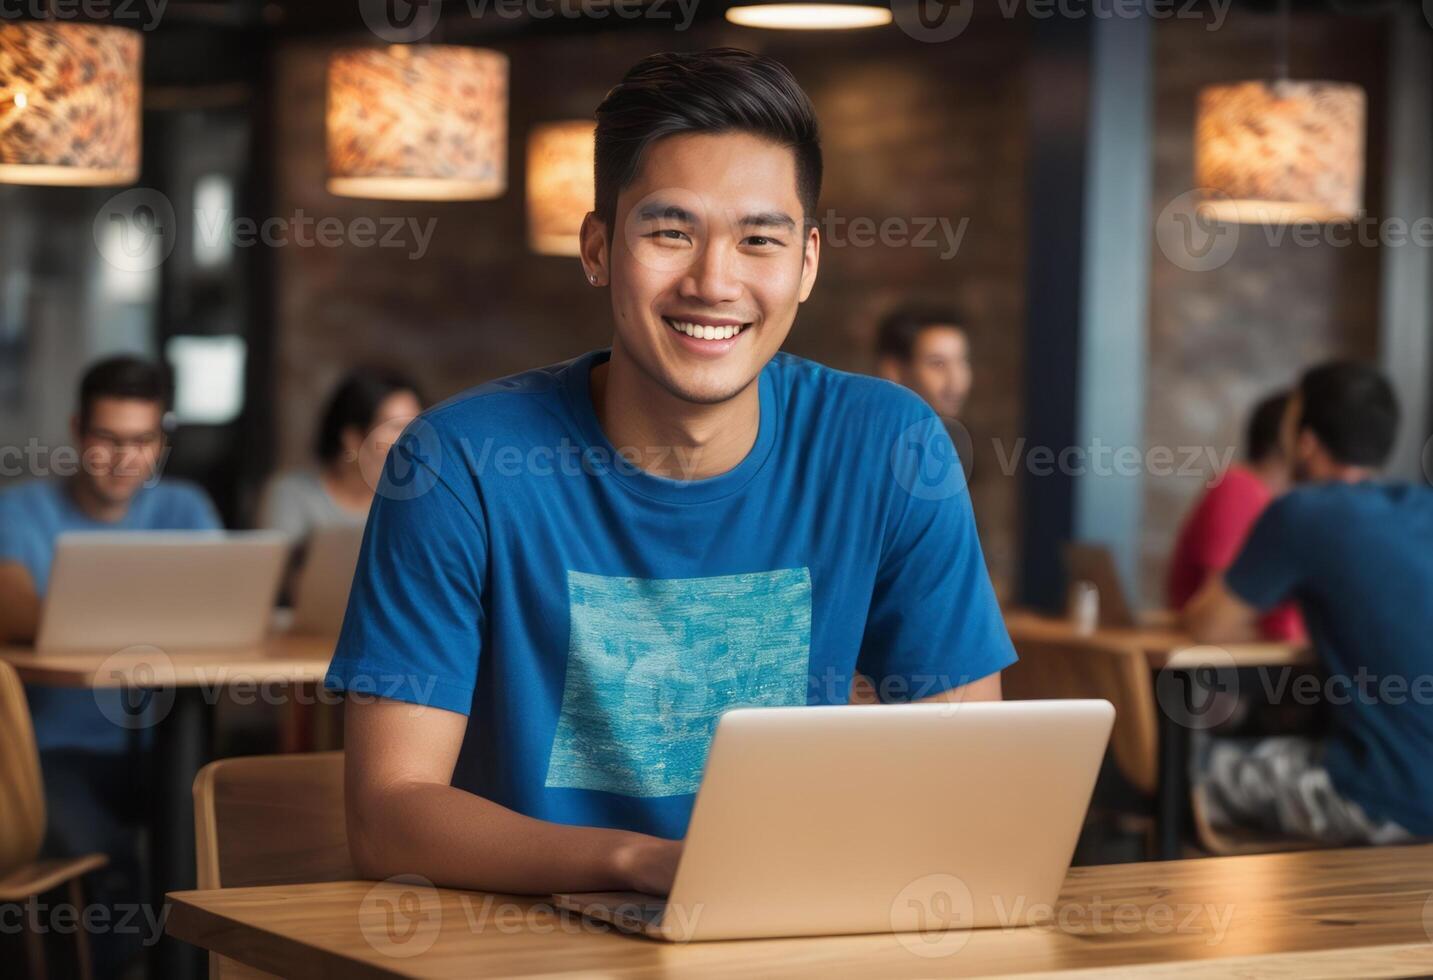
<point>19,604</point>
<point>649,864</point>
<point>1217,615</point>
<point>406,817</point>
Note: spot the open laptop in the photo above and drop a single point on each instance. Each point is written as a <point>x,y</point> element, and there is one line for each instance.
<point>822,820</point>
<point>177,590</point>
<point>321,592</point>
<point>1094,563</point>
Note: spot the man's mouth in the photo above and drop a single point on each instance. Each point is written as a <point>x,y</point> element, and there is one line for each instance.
<point>706,329</point>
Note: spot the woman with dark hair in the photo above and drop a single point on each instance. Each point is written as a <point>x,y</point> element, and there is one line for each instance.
<point>363,417</point>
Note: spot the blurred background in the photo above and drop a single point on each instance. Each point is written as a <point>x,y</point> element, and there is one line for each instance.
<point>1014,160</point>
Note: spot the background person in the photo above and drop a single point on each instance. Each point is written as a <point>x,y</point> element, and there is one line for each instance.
<point>363,416</point>
<point>90,789</point>
<point>928,350</point>
<point>1356,554</point>
<point>1216,528</point>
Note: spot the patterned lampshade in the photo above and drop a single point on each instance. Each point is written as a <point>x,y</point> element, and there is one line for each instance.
<point>559,184</point>
<point>69,103</point>
<point>418,123</point>
<point>1280,151</point>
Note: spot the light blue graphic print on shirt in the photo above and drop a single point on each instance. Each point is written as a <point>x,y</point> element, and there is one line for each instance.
<point>652,664</point>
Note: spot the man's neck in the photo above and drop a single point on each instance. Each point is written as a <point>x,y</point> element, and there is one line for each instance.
<point>667,435</point>
<point>92,505</point>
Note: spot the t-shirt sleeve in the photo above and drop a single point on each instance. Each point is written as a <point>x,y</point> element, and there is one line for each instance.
<point>1272,565</point>
<point>414,624</point>
<point>934,622</point>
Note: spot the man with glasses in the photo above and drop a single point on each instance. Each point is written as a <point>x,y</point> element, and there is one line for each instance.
<point>110,483</point>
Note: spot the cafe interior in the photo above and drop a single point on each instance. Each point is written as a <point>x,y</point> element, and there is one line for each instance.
<point>1159,272</point>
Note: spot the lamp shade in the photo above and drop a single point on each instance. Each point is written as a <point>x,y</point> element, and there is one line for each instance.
<point>809,15</point>
<point>1280,151</point>
<point>418,123</point>
<point>69,103</point>
<point>560,187</point>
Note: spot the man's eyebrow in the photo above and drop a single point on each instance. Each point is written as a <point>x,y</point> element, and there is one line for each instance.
<point>768,219</point>
<point>653,210</point>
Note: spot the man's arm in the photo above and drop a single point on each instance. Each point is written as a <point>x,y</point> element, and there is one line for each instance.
<point>1217,615</point>
<point>405,817</point>
<point>985,689</point>
<point>19,604</point>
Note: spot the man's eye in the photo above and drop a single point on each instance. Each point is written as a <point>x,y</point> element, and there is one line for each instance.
<point>669,235</point>
<point>760,241</point>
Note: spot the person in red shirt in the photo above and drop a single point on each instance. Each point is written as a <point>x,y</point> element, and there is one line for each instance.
<point>1214,531</point>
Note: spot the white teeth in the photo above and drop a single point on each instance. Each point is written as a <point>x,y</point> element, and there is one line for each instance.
<point>706,331</point>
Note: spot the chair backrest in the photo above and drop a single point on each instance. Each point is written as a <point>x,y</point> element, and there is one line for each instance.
<point>22,794</point>
<point>1080,668</point>
<point>271,820</point>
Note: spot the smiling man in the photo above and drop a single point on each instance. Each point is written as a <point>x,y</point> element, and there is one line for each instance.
<point>569,574</point>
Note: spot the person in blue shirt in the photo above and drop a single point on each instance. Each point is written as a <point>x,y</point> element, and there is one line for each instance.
<point>109,483</point>
<point>569,574</point>
<point>1356,554</point>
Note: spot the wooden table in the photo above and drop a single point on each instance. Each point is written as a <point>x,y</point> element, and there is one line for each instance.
<point>175,692</point>
<point>1165,645</point>
<point>1353,913</point>
<point>1169,649</point>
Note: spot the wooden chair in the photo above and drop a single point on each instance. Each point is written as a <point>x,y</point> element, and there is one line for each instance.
<point>22,826</point>
<point>269,820</point>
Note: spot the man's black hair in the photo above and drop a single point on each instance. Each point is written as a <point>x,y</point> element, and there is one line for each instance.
<point>719,90</point>
<point>1351,408</point>
<point>123,376</point>
<point>1261,441</point>
<point>896,336</point>
<point>354,403</point>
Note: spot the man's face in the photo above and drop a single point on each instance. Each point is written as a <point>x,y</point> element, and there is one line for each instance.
<point>120,444</point>
<point>939,370</point>
<point>708,262</point>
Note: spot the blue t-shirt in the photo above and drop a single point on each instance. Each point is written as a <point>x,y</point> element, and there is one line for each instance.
<point>32,516</point>
<point>593,620</point>
<point>1358,558</point>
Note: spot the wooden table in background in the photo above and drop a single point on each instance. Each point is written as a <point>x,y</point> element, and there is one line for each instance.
<point>1349,913</point>
<point>182,687</point>
<point>1167,648</point>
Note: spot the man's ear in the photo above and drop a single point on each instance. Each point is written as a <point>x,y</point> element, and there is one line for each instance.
<point>890,368</point>
<point>593,245</point>
<point>810,260</point>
